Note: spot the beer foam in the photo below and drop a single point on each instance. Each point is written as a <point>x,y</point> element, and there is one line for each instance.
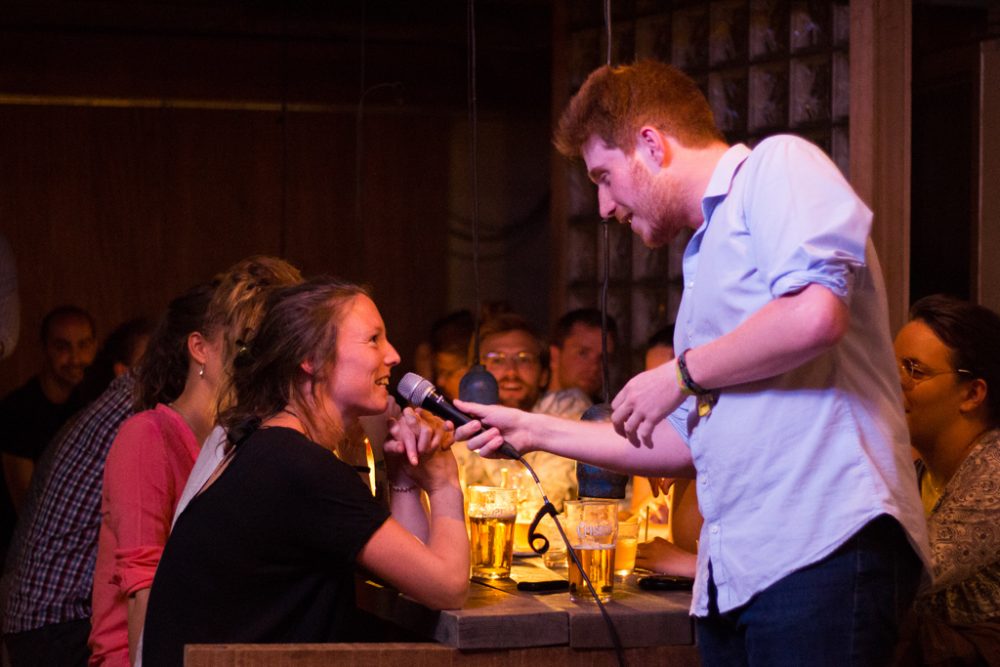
<point>487,512</point>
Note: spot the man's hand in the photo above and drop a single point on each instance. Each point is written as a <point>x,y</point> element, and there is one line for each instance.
<point>517,427</point>
<point>644,402</point>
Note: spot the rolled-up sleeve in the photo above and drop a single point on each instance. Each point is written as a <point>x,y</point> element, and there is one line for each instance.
<point>139,499</point>
<point>806,225</point>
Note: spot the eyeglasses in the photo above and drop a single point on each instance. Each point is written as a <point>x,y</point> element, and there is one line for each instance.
<point>497,361</point>
<point>912,373</point>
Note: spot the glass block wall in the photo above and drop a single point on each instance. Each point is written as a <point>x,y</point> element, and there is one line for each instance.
<point>766,67</point>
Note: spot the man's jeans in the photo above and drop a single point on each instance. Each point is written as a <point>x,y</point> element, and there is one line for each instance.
<point>841,611</point>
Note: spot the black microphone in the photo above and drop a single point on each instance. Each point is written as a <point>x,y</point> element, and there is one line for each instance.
<point>421,393</point>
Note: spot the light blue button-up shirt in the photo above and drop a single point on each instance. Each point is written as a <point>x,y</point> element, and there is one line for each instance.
<point>790,467</point>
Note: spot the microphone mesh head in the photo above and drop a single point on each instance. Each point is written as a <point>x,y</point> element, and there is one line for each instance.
<point>414,388</point>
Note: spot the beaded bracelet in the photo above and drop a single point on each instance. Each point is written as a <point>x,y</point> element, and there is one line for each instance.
<point>685,376</point>
<point>402,489</point>
<point>680,382</point>
<point>706,399</point>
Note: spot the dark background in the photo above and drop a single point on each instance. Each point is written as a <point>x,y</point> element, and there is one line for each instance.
<point>146,145</point>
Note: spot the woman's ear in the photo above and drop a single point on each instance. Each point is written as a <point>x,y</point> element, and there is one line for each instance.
<point>307,368</point>
<point>197,346</point>
<point>975,396</point>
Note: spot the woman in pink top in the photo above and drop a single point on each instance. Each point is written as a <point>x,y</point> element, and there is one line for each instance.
<point>180,383</point>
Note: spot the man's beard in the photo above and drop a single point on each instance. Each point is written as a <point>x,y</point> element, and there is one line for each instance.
<point>658,205</point>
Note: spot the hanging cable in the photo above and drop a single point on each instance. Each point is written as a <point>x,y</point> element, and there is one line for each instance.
<point>478,384</point>
<point>606,227</point>
<point>474,129</point>
<point>607,28</point>
<point>606,224</point>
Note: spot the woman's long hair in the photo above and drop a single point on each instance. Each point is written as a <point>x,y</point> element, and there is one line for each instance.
<point>163,370</point>
<point>300,324</point>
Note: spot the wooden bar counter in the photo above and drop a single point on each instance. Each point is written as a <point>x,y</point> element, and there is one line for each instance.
<point>498,626</point>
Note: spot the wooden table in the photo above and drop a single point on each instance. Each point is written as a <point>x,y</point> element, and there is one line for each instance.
<point>498,625</point>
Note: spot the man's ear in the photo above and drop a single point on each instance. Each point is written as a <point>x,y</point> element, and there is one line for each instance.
<point>653,148</point>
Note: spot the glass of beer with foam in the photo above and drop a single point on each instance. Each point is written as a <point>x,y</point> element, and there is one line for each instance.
<point>592,528</point>
<point>492,511</point>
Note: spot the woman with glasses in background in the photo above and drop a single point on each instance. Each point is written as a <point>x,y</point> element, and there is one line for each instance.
<point>949,365</point>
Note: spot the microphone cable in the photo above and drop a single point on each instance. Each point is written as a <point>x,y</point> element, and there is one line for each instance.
<point>548,509</point>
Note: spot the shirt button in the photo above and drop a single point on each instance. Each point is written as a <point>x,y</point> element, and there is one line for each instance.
<point>714,530</point>
<point>691,284</point>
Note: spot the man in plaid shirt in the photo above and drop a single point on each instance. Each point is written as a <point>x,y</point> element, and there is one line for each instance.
<point>48,579</point>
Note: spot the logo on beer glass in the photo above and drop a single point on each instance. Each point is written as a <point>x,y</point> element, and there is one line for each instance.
<point>601,533</point>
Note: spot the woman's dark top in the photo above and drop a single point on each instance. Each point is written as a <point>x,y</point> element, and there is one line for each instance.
<point>264,554</point>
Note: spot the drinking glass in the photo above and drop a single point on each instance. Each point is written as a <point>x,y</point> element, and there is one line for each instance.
<point>592,527</point>
<point>625,547</point>
<point>555,557</point>
<point>529,501</point>
<point>492,511</point>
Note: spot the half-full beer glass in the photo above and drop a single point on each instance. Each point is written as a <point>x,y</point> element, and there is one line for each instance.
<point>492,511</point>
<point>592,527</point>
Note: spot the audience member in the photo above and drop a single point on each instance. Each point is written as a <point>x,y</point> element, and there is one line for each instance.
<point>10,304</point>
<point>121,350</point>
<point>32,413</point>
<point>46,602</point>
<point>449,342</point>
<point>267,551</point>
<point>236,309</point>
<point>575,352</point>
<point>150,461</point>
<point>514,353</point>
<point>949,367</point>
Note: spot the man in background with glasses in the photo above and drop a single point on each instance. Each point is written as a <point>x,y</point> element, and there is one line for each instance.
<point>513,352</point>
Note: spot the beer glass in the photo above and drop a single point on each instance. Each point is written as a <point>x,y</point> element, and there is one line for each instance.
<point>492,511</point>
<point>592,527</point>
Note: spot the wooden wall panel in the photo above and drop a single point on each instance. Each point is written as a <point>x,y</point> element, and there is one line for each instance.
<point>881,77</point>
<point>405,215</point>
<point>147,145</point>
<point>118,210</point>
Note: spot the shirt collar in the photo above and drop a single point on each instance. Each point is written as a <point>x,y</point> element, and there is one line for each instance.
<point>725,170</point>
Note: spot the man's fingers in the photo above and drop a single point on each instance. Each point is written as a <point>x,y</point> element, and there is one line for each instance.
<point>619,418</point>
<point>632,428</point>
<point>645,433</point>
